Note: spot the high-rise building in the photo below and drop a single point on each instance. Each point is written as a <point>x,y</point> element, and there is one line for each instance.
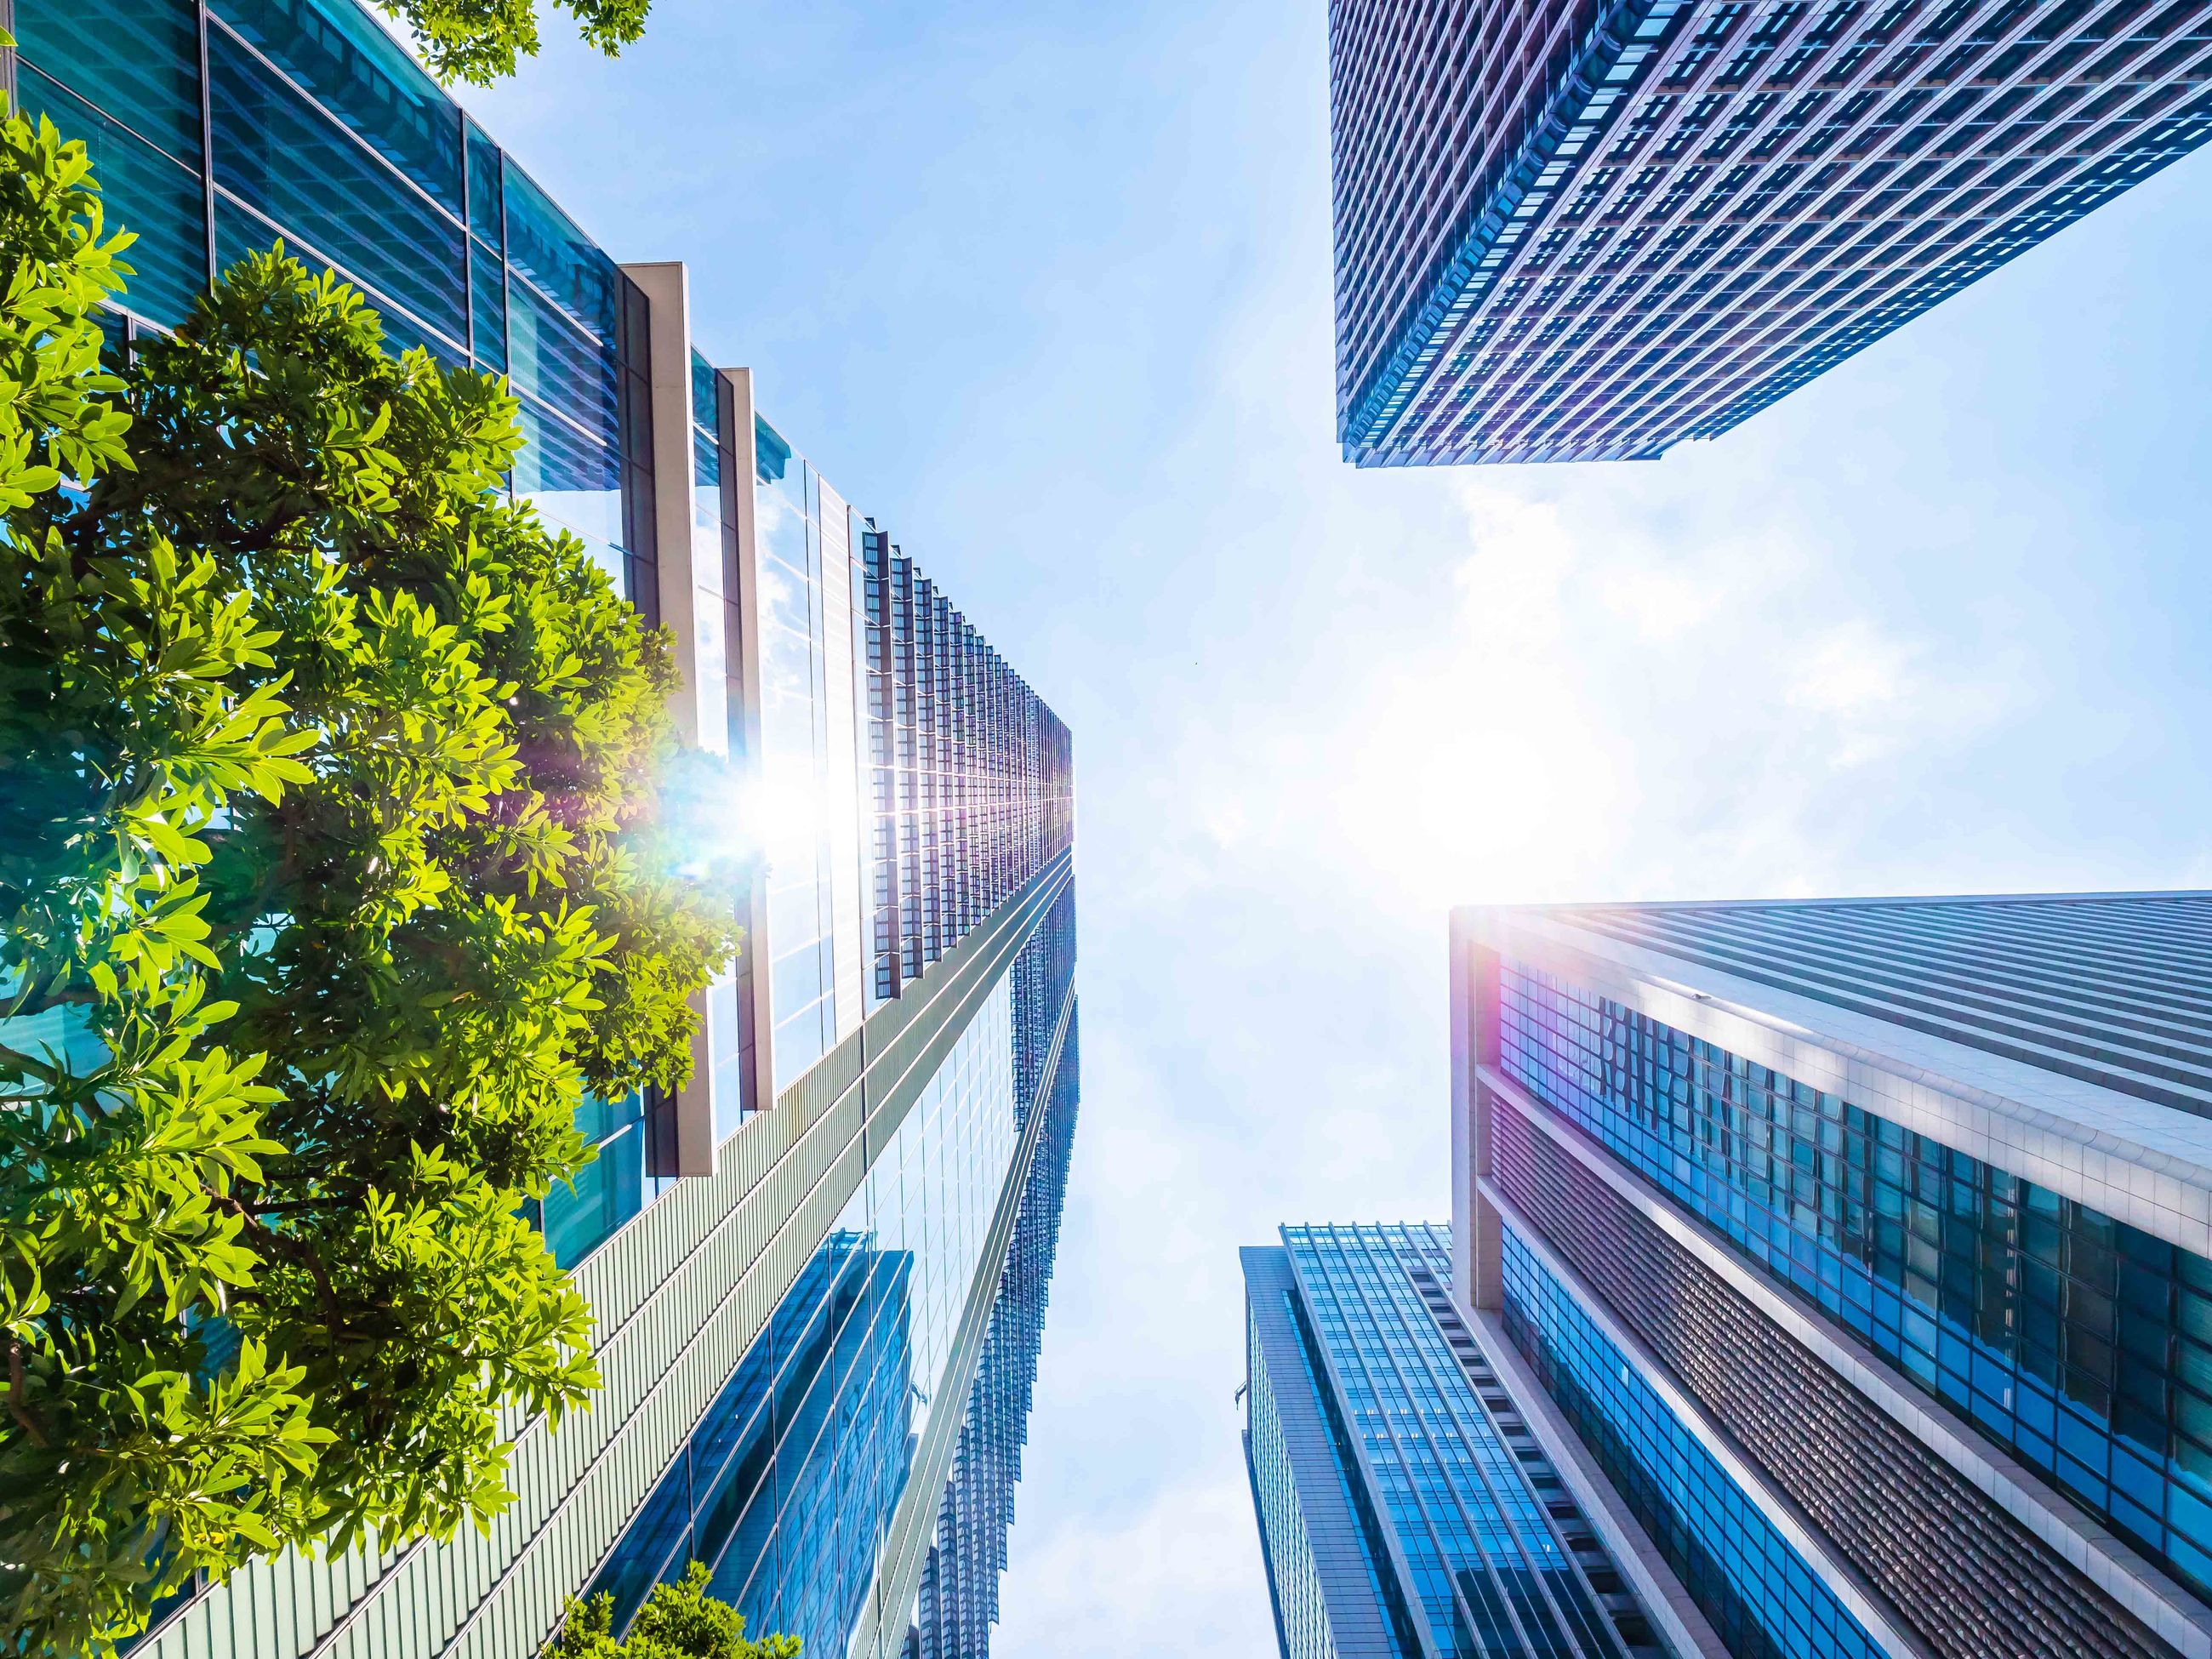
<point>1853,1261</point>
<point>818,1272</point>
<point>1588,229</point>
<point>1405,1510</point>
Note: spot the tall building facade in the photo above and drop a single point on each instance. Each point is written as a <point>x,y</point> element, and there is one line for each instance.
<point>818,1271</point>
<point>1589,229</point>
<point>1405,1510</point>
<point>1853,1260</point>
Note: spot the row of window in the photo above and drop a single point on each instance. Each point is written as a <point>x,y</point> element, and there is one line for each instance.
<point>1761,1597</point>
<point>2080,1344</point>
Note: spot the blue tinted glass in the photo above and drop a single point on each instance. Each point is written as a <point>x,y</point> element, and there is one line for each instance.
<point>771,455</point>
<point>333,51</point>
<point>488,307</point>
<point>2078,1343</point>
<point>307,175</point>
<point>555,361</point>
<point>487,215</point>
<point>1762,1598</point>
<point>706,395</point>
<point>142,190</point>
<point>606,1193</point>
<point>706,460</point>
<point>139,60</point>
<point>240,231</point>
<point>574,483</point>
<point>553,253</point>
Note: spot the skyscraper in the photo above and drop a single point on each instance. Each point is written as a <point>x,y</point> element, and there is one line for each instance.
<point>1854,1260</point>
<point>818,1272</point>
<point>1405,1510</point>
<point>1569,230</point>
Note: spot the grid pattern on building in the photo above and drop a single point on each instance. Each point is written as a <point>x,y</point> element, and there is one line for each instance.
<point>1761,1597</point>
<point>2076,1342</point>
<point>1335,1591</point>
<point>787,1485</point>
<point>2109,989</point>
<point>971,780</point>
<point>313,126</point>
<point>1720,201</point>
<point>1967,1577</point>
<point>1485,1568</point>
<point>959,1597</point>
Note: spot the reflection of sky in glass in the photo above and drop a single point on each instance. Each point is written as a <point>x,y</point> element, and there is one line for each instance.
<point>807,801</point>
<point>931,1191</point>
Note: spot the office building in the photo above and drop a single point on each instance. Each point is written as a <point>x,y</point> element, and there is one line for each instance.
<point>818,1270</point>
<point>1568,230</point>
<point>1853,1260</point>
<point>1405,1510</point>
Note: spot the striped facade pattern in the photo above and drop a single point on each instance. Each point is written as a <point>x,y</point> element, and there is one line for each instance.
<point>883,1628</point>
<point>1967,1578</point>
<point>959,1598</point>
<point>1717,202</point>
<point>679,1295</point>
<point>2115,990</point>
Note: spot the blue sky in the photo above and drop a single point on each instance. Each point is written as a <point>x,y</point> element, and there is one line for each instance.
<point>1046,288</point>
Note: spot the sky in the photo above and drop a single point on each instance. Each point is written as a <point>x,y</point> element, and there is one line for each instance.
<point>1045,288</point>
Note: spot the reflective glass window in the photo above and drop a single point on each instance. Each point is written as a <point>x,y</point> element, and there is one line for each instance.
<point>487,209</point>
<point>142,190</point>
<point>2081,1345</point>
<point>574,483</point>
<point>558,363</point>
<point>240,231</point>
<point>488,307</point>
<point>545,246</point>
<point>307,174</point>
<point>138,60</point>
<point>337,54</point>
<point>1762,1598</point>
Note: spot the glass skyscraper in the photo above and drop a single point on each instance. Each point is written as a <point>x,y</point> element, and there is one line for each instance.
<point>818,1272</point>
<point>1406,1512</point>
<point>1588,229</point>
<point>1853,1260</point>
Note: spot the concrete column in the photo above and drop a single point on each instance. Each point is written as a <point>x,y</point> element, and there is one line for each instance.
<point>744,683</point>
<point>691,610</point>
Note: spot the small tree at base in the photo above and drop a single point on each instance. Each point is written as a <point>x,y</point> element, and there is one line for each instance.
<point>677,1621</point>
<point>312,741</point>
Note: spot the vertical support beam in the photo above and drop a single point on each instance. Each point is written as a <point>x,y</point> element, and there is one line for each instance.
<point>1476,1232</point>
<point>207,146</point>
<point>690,591</point>
<point>743,576</point>
<point>8,55</point>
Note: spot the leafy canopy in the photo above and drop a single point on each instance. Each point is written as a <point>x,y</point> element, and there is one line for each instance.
<point>480,41</point>
<point>677,1621</point>
<point>334,869</point>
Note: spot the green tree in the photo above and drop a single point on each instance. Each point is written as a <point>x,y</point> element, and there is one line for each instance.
<point>677,1621</point>
<point>338,860</point>
<point>479,40</point>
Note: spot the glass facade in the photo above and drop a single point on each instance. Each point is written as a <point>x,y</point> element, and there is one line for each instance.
<point>1758,1593</point>
<point>971,777</point>
<point>786,1488</point>
<point>1463,1528</point>
<point>1587,229</point>
<point>2078,1343</point>
<point>218,129</point>
<point>958,1602</point>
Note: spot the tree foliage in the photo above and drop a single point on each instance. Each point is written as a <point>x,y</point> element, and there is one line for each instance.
<point>677,1621</point>
<point>335,865</point>
<point>480,41</point>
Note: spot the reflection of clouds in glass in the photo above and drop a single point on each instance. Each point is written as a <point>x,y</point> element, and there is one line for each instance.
<point>933,1191</point>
